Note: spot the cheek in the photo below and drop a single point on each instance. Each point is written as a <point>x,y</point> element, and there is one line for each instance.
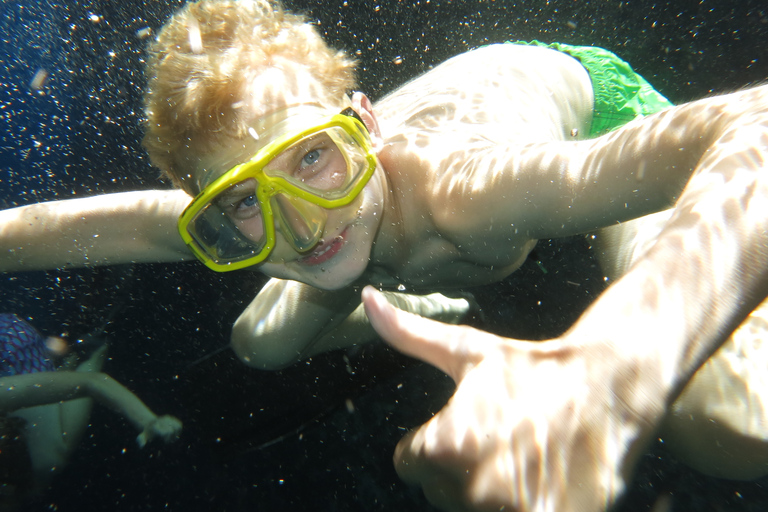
<point>370,211</point>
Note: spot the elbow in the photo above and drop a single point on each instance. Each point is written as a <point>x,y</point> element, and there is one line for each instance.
<point>260,352</point>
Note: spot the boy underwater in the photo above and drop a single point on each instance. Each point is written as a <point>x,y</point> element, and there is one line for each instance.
<point>448,182</point>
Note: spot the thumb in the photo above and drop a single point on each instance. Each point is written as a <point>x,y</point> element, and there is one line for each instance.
<point>447,347</point>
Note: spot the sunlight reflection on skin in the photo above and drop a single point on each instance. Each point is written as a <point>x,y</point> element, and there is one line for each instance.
<point>719,423</point>
<point>558,425</point>
<point>509,442</point>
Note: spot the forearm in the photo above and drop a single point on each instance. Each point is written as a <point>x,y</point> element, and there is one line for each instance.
<point>356,329</point>
<point>553,189</point>
<point>107,391</point>
<point>31,389</point>
<point>289,321</point>
<point>704,275</point>
<point>645,166</point>
<point>108,229</point>
<point>284,319</point>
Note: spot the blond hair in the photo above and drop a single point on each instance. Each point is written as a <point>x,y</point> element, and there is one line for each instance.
<point>200,67</point>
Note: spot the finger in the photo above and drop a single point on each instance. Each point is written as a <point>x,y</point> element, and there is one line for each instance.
<point>444,492</point>
<point>410,467</point>
<point>443,489</point>
<point>448,441</point>
<point>441,345</point>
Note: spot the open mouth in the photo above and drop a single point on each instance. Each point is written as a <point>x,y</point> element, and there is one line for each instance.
<point>325,250</point>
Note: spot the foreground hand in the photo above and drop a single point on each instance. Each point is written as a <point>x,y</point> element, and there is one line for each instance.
<point>165,427</point>
<point>531,426</point>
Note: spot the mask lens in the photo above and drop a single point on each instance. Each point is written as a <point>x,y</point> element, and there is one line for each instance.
<point>326,164</point>
<point>231,227</point>
<point>301,222</point>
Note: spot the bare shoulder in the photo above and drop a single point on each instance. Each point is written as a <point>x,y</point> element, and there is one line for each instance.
<point>444,132</point>
<point>444,124</point>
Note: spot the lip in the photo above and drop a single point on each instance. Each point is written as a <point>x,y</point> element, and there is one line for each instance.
<point>326,251</point>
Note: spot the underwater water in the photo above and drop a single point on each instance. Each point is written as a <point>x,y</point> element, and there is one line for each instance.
<point>318,435</point>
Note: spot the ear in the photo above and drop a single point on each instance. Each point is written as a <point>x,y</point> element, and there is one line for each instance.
<point>364,108</point>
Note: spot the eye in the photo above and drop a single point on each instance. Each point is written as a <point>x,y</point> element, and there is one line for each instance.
<point>246,207</point>
<point>241,208</point>
<point>311,158</point>
<point>248,202</point>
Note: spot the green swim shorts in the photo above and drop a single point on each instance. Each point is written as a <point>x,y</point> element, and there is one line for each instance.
<point>621,95</point>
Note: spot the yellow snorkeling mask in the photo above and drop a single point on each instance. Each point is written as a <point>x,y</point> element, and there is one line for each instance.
<point>314,162</point>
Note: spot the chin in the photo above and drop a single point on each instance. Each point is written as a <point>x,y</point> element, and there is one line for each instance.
<point>330,281</point>
<point>334,274</point>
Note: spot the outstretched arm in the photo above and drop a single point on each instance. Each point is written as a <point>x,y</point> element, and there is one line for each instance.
<point>559,425</point>
<point>31,389</point>
<point>558,188</point>
<point>108,229</point>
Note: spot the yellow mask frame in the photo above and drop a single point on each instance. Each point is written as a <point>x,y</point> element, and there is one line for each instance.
<point>269,186</point>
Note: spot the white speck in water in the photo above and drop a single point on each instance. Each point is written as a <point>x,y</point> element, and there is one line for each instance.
<point>144,33</point>
<point>39,80</point>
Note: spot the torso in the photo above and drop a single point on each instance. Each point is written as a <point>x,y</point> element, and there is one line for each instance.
<point>435,127</point>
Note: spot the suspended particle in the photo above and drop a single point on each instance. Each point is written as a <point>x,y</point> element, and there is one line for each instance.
<point>57,345</point>
<point>397,60</point>
<point>144,33</point>
<point>39,80</point>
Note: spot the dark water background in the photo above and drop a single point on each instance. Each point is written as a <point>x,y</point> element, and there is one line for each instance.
<point>286,440</point>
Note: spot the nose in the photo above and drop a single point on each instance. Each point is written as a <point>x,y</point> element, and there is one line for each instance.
<point>300,221</point>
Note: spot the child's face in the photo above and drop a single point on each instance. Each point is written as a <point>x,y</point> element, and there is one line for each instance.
<point>328,253</point>
<point>344,250</point>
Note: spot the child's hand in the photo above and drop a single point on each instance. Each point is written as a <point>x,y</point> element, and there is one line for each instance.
<point>531,426</point>
<point>165,427</point>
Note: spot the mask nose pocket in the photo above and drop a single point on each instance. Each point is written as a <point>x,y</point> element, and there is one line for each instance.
<point>300,221</point>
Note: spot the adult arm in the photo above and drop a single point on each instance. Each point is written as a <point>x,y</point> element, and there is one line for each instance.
<point>108,229</point>
<point>560,424</point>
<point>32,389</point>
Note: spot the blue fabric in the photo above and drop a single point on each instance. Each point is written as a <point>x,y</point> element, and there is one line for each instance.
<point>22,348</point>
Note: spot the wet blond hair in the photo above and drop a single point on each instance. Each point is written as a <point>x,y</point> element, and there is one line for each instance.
<point>200,67</point>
